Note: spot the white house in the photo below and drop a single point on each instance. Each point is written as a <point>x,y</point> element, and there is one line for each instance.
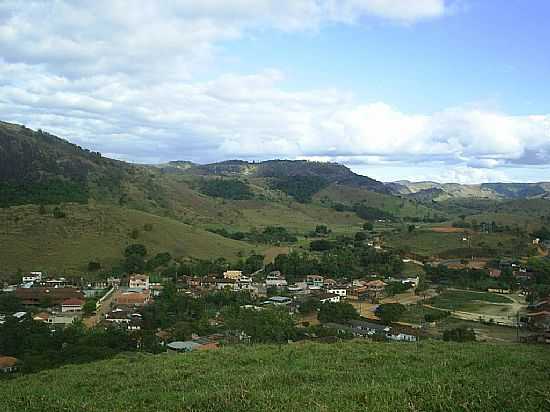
<point>244,283</point>
<point>329,297</point>
<point>72,305</point>
<point>229,284</point>
<point>338,290</point>
<point>32,277</point>
<point>139,282</point>
<point>402,337</point>
<point>275,281</point>
<point>232,274</point>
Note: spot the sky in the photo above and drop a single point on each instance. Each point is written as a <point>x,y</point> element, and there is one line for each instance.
<point>441,90</point>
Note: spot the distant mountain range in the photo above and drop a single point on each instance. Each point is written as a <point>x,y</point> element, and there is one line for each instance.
<point>427,191</point>
<point>105,204</point>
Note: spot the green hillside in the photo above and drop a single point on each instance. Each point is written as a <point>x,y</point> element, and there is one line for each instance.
<point>106,200</point>
<point>354,376</point>
<point>31,241</point>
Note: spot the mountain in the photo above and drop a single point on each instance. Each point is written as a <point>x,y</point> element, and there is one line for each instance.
<point>62,206</point>
<point>428,191</point>
<point>38,167</point>
<point>280,169</point>
<point>350,376</point>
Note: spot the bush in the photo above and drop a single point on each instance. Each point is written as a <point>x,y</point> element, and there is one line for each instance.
<point>371,213</point>
<point>435,316</point>
<point>460,334</point>
<point>390,312</point>
<point>337,312</point>
<point>135,249</point>
<point>93,266</point>
<point>58,213</point>
<point>320,245</point>
<point>226,188</point>
<point>301,188</point>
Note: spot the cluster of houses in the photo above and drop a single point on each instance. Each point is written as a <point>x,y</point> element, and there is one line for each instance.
<point>324,288</point>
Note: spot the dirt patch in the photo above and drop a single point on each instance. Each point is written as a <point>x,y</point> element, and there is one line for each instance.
<point>448,229</point>
<point>271,253</point>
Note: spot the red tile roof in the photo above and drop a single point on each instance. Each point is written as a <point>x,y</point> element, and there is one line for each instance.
<point>34,296</point>
<point>7,362</point>
<point>73,302</point>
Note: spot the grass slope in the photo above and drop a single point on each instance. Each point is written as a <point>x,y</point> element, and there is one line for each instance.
<point>397,206</point>
<point>313,377</point>
<point>31,241</point>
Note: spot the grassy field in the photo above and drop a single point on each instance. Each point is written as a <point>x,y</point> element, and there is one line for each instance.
<point>314,377</point>
<point>485,332</point>
<point>268,209</point>
<point>427,242</point>
<point>392,204</point>
<point>415,314</point>
<point>31,241</point>
<point>463,300</point>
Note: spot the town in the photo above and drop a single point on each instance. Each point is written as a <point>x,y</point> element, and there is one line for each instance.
<point>183,313</point>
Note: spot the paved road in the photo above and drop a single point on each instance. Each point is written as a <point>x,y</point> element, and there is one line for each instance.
<point>100,313</point>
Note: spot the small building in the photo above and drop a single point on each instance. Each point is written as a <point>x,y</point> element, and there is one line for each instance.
<point>227,284</point>
<point>341,291</point>
<point>133,298</point>
<point>540,320</point>
<point>72,305</point>
<point>47,296</point>
<point>232,274</point>
<point>139,282</point>
<point>329,297</point>
<point>314,280</point>
<point>329,282</point>
<point>182,346</point>
<point>370,327</point>
<point>8,364</point>
<point>297,289</point>
<point>32,277</point>
<point>275,281</point>
<point>20,316</point>
<point>402,337</point>
<point>375,287</point>
<point>278,301</point>
<point>56,319</point>
<point>193,281</point>
<point>495,273</point>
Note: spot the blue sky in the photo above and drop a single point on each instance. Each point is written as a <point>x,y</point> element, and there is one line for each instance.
<point>444,90</point>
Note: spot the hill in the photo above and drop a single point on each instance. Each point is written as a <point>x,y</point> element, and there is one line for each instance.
<point>37,167</point>
<point>102,201</point>
<point>98,232</point>
<point>280,169</point>
<point>428,191</point>
<point>354,376</point>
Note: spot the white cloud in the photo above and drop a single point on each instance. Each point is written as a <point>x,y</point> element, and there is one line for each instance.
<point>399,10</point>
<point>124,80</point>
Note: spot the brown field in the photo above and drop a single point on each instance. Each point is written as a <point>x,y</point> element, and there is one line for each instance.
<point>448,229</point>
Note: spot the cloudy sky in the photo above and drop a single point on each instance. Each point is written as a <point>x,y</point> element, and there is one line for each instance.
<point>445,90</point>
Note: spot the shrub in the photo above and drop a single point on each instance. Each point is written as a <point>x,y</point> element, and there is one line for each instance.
<point>460,334</point>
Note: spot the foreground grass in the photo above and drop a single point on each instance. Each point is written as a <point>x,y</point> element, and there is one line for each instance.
<point>314,377</point>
